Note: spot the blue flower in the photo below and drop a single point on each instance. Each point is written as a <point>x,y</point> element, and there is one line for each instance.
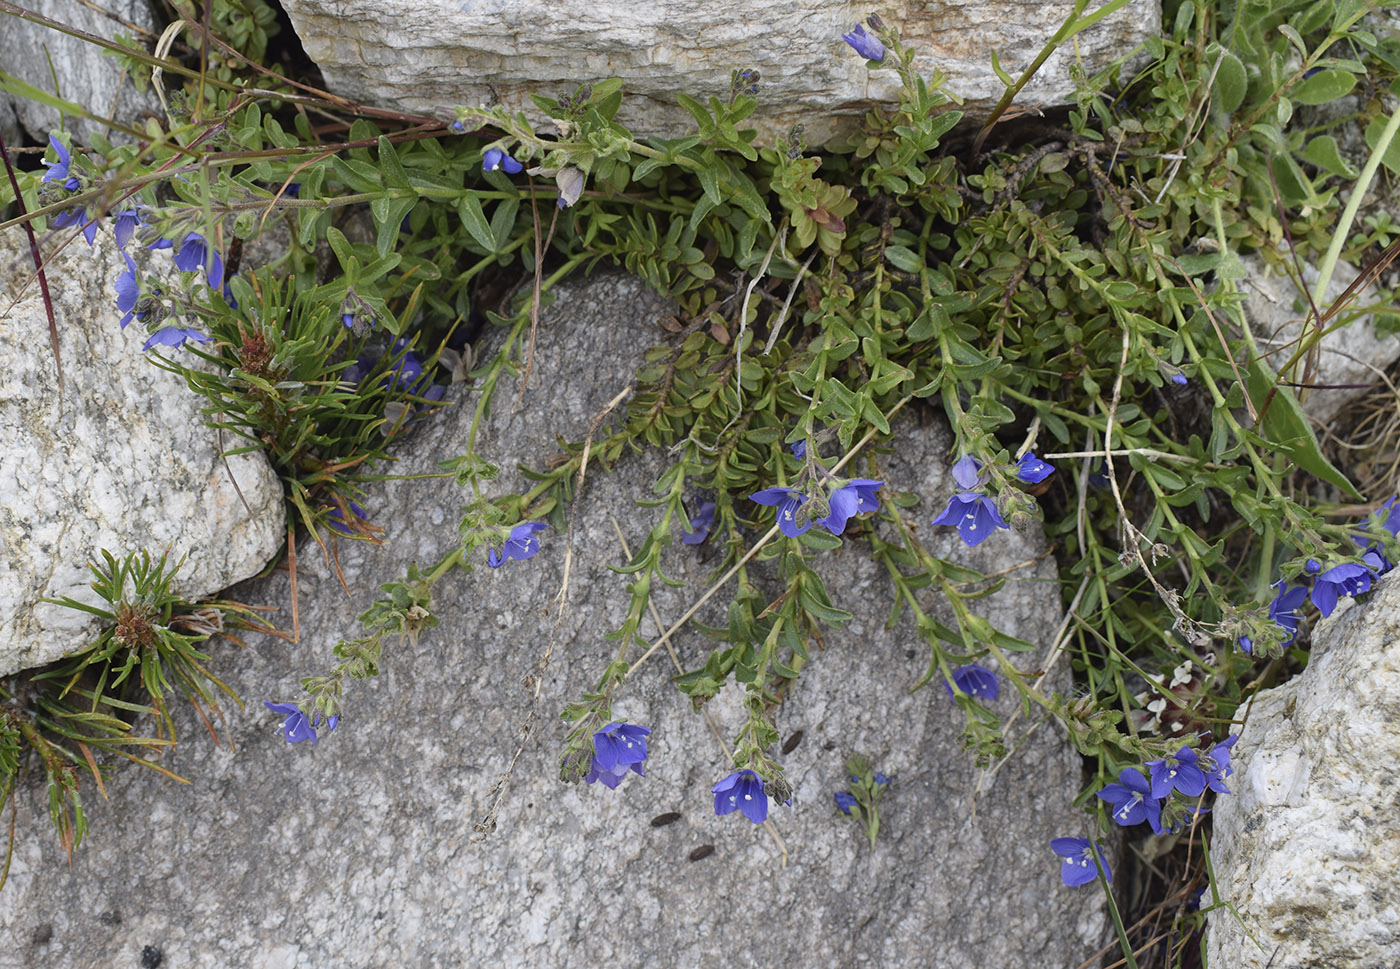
<point>881,779</point>
<point>851,499</point>
<point>409,367</point>
<point>1033,470</point>
<point>336,521</point>
<point>1347,579</point>
<point>59,170</point>
<point>1132,800</point>
<point>1181,772</point>
<point>700,524</point>
<point>495,158</point>
<point>618,748</point>
<point>1082,861</point>
<point>1179,379</point>
<point>845,801</point>
<point>128,288</point>
<point>522,544</point>
<point>77,216</point>
<point>741,791</point>
<point>1373,553</point>
<point>975,516</point>
<point>798,449</point>
<point>976,681</point>
<point>125,223</point>
<point>1219,756</point>
<point>458,126</point>
<point>174,336</point>
<point>967,472</point>
<point>787,502</point>
<point>297,727</point>
<point>866,45</point>
<point>195,252</point>
<point>1283,611</point>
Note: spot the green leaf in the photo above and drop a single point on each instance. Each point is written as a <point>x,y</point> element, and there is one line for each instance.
<point>389,164</point>
<point>1322,151</point>
<point>1324,86</point>
<point>1231,82</point>
<point>904,258</point>
<point>1391,158</point>
<point>474,221</point>
<point>1287,425</point>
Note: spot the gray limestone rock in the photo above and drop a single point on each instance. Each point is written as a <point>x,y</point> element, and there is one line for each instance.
<point>416,55</point>
<point>1308,848</point>
<point>364,853</point>
<point>121,460</point>
<point>86,76</point>
<point>1351,358</point>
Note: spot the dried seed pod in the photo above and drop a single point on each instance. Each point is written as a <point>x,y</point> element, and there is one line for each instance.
<point>661,820</point>
<point>704,851</point>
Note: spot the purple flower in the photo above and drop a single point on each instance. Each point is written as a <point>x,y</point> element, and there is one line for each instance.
<point>297,727</point>
<point>59,170</point>
<point>77,216</point>
<point>128,291</point>
<point>1082,861</point>
<point>1181,772</point>
<point>618,748</point>
<point>700,524</point>
<point>787,502</point>
<point>1219,756</point>
<point>409,368</point>
<point>849,500</point>
<point>1347,579</point>
<point>125,223</point>
<point>495,158</point>
<point>1179,379</point>
<point>1283,612</point>
<point>975,516</point>
<point>174,336</point>
<point>845,801</point>
<point>1132,800</point>
<point>967,472</point>
<point>336,521</point>
<point>798,449</point>
<point>741,791</point>
<point>976,681</point>
<point>881,779</point>
<point>1033,470</point>
<point>195,252</point>
<point>522,544</point>
<point>458,126</point>
<point>866,45</point>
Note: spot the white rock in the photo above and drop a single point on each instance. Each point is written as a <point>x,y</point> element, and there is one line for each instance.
<point>121,461</point>
<point>426,55</point>
<point>85,75</point>
<point>1352,357</point>
<point>1308,847</point>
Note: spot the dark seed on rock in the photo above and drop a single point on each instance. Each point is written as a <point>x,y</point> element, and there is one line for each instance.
<point>151,957</point>
<point>791,744</point>
<point>704,851</point>
<point>661,820</point>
